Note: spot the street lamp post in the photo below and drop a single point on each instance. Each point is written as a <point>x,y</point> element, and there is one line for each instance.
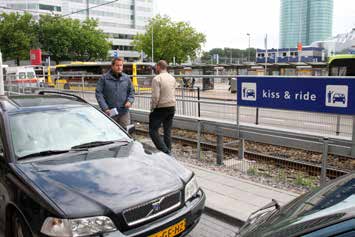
<point>248,47</point>
<point>152,43</point>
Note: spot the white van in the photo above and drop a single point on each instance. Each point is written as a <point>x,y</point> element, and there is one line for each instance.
<point>23,76</point>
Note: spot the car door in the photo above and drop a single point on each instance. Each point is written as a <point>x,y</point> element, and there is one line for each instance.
<point>3,191</point>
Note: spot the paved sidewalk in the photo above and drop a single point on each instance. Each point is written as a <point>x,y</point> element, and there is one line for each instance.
<point>235,197</point>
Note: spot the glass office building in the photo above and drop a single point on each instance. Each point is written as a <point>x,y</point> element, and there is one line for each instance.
<point>305,21</point>
<point>120,20</point>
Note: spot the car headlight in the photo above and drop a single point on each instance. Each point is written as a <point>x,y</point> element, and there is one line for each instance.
<point>77,227</point>
<point>191,188</point>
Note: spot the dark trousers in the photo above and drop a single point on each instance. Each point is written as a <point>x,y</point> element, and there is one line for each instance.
<point>156,118</point>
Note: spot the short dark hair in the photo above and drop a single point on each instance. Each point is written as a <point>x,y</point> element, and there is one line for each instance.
<point>115,60</point>
<point>163,64</point>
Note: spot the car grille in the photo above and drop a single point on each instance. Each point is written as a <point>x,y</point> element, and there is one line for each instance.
<point>152,209</point>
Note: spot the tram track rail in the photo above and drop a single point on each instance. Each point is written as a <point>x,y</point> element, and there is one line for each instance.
<point>276,160</point>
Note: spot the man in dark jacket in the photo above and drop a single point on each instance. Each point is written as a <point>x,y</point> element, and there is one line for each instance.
<point>115,93</point>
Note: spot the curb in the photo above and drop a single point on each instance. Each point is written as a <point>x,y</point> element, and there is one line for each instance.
<point>224,217</point>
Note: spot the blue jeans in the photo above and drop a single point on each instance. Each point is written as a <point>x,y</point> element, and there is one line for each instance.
<point>156,118</point>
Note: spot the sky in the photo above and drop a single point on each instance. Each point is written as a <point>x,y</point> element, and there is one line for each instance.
<point>227,22</point>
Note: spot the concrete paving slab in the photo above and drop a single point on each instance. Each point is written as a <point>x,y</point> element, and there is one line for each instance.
<point>236,197</point>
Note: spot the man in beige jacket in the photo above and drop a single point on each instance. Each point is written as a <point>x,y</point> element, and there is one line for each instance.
<point>162,107</point>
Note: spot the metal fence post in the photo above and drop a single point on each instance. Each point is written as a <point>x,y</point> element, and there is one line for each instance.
<point>198,139</point>
<point>82,86</point>
<point>198,102</point>
<point>241,149</point>
<point>56,84</point>
<point>219,146</point>
<point>353,139</point>
<point>323,177</point>
<point>338,125</point>
<point>183,101</point>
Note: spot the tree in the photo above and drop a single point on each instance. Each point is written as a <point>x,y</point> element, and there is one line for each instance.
<point>17,36</point>
<point>69,39</point>
<point>171,40</point>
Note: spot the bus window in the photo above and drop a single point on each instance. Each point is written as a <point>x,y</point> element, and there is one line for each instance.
<point>22,75</point>
<point>31,75</point>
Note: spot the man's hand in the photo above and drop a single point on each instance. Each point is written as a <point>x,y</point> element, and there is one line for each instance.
<point>128,105</point>
<point>108,112</point>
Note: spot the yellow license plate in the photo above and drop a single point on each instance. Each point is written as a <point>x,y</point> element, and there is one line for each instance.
<point>172,230</point>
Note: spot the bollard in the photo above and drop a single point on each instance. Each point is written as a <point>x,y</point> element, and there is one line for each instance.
<point>219,146</point>
<point>241,149</point>
<point>323,177</point>
<point>198,139</point>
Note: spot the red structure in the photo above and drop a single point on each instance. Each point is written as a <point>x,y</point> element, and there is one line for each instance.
<point>36,56</point>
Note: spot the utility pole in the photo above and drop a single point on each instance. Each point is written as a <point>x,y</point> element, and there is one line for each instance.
<point>2,90</point>
<point>152,42</point>
<point>248,47</point>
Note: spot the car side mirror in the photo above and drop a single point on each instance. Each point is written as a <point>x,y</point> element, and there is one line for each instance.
<point>130,129</point>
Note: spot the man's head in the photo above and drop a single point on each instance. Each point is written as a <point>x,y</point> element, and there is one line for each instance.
<point>117,65</point>
<point>162,66</point>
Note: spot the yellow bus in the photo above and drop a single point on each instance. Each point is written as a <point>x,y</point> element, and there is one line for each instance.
<point>342,65</point>
<point>84,75</point>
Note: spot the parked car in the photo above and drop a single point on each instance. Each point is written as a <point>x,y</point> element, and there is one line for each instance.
<point>327,211</point>
<point>67,169</point>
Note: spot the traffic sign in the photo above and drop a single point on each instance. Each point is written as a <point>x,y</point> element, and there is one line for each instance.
<point>316,94</point>
<point>115,54</point>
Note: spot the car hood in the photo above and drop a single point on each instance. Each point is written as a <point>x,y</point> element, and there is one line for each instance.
<point>100,185</point>
<point>321,207</point>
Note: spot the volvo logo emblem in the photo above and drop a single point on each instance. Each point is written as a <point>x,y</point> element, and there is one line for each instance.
<point>155,207</point>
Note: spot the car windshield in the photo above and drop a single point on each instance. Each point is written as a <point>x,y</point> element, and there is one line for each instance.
<point>335,196</point>
<point>61,129</point>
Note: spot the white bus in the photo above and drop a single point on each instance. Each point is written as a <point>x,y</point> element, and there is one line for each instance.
<point>23,76</point>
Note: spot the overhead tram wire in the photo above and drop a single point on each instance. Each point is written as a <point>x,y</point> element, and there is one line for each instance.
<point>85,9</point>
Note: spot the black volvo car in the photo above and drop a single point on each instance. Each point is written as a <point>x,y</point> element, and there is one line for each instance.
<point>66,169</point>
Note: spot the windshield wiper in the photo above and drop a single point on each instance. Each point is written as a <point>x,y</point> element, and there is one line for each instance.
<point>97,143</point>
<point>257,213</point>
<point>44,153</point>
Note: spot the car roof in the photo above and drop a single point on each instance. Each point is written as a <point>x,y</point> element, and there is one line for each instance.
<point>19,103</point>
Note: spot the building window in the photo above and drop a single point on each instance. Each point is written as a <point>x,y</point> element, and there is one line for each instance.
<point>50,8</point>
<point>122,47</point>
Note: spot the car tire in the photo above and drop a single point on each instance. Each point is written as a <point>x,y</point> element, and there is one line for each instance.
<point>18,226</point>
